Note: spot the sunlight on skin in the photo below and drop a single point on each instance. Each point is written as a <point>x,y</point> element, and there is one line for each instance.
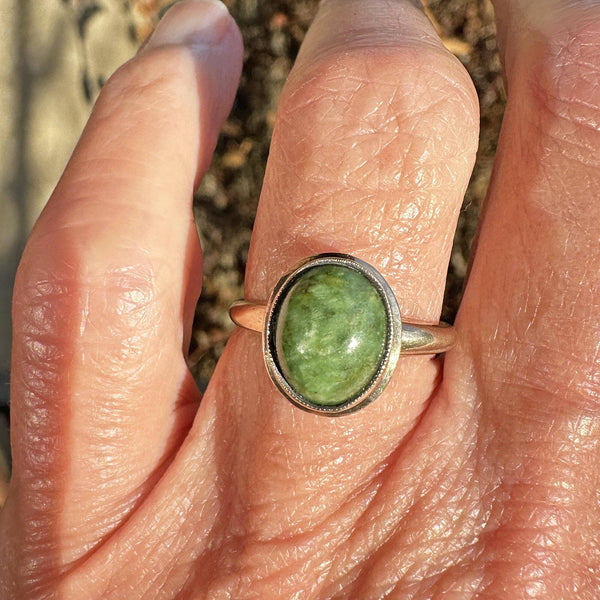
<point>475,476</point>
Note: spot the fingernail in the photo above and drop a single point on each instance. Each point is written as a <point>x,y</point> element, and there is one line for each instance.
<point>192,23</point>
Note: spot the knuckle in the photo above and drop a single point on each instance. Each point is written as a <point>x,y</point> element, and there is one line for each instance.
<point>125,312</point>
<point>566,82</point>
<point>43,304</point>
<point>414,98</point>
<point>82,315</point>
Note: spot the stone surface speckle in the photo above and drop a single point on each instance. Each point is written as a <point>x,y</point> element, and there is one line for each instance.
<point>330,334</point>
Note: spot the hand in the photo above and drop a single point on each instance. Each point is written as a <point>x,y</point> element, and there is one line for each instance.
<point>471,476</point>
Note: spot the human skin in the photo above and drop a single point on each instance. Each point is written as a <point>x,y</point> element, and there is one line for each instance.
<point>475,475</point>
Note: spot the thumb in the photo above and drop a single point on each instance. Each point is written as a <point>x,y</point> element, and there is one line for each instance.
<point>106,289</point>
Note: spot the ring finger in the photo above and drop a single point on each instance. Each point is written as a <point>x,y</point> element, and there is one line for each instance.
<point>371,154</point>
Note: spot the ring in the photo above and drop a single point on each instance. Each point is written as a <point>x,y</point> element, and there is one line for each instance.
<point>333,333</point>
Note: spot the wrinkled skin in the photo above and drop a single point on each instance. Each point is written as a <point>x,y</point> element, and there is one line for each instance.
<point>472,476</point>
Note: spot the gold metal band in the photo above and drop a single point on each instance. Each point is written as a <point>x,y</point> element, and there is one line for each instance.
<point>416,338</point>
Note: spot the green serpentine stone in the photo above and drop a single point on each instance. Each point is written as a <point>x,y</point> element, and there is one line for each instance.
<point>330,334</point>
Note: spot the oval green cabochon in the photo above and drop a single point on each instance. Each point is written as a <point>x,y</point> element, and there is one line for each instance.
<point>330,334</point>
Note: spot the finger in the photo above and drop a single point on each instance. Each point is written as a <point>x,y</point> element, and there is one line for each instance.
<point>530,311</point>
<point>372,151</point>
<point>104,298</point>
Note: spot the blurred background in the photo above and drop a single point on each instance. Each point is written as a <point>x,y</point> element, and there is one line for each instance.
<point>57,54</point>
